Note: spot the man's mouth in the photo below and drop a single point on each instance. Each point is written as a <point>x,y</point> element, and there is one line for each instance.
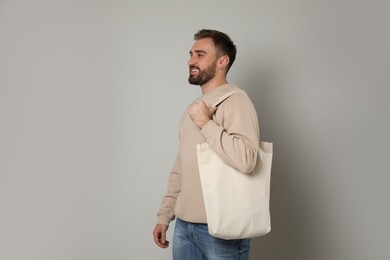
<point>194,70</point>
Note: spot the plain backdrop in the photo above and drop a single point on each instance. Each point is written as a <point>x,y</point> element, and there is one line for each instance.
<point>91,93</point>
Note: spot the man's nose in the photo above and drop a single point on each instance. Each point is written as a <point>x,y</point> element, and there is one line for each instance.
<point>191,61</point>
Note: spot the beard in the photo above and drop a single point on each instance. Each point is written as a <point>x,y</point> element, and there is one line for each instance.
<point>203,76</point>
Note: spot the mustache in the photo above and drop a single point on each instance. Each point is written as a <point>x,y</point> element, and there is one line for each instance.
<point>194,67</point>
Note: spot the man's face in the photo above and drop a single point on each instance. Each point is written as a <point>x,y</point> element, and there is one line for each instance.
<point>203,61</point>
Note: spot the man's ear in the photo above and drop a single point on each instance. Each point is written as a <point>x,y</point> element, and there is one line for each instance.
<point>223,62</point>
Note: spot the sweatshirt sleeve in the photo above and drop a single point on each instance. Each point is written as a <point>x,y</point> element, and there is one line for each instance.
<point>166,212</point>
<point>234,133</point>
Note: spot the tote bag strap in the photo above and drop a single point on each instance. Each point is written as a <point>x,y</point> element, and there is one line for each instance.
<point>225,96</point>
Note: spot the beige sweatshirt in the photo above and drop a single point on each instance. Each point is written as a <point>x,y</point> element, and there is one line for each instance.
<point>233,135</point>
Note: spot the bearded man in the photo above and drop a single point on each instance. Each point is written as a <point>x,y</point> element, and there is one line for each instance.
<point>231,130</point>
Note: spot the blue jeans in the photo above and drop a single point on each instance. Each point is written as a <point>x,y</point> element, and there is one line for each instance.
<point>193,242</point>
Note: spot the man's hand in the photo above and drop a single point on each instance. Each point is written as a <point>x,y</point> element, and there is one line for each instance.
<point>159,234</point>
<point>200,113</point>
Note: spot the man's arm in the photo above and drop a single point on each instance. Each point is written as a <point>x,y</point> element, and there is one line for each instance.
<point>166,211</point>
<point>234,135</point>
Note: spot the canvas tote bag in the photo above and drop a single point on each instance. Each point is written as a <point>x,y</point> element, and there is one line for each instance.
<point>237,204</point>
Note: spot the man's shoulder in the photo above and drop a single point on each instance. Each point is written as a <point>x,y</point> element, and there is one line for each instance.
<point>232,90</point>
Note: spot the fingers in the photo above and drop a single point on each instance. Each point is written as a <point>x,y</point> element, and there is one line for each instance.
<point>206,110</point>
<point>201,111</point>
<point>201,107</point>
<point>159,235</point>
<point>200,114</point>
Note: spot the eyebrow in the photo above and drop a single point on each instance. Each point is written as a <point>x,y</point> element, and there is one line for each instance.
<point>198,51</point>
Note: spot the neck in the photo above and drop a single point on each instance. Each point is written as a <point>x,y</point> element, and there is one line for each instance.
<point>212,84</point>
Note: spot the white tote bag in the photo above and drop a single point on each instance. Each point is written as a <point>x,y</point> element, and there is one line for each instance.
<point>237,204</point>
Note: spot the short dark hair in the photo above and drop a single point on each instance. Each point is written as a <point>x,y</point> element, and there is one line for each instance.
<point>222,42</point>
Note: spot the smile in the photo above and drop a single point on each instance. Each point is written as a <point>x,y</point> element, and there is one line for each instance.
<point>194,70</point>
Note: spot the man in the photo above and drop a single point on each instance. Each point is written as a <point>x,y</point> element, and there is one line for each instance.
<point>231,130</point>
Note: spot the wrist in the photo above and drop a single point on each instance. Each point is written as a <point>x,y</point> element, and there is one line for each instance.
<point>203,123</point>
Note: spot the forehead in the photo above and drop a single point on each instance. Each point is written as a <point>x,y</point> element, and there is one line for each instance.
<point>204,45</point>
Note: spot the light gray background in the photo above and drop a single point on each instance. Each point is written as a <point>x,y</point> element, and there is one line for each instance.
<point>91,93</point>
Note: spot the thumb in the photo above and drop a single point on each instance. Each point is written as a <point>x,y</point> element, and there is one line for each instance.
<point>213,109</point>
<point>163,237</point>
